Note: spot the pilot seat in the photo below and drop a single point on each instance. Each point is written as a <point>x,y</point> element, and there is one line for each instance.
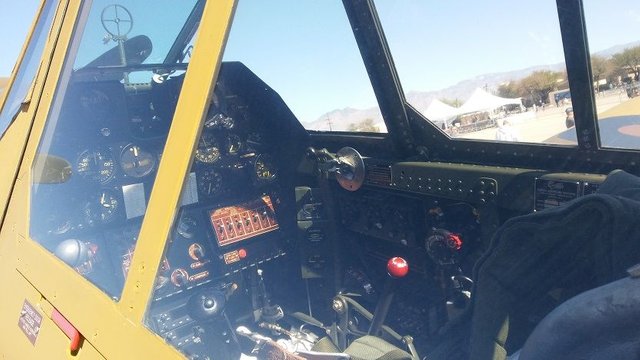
<point>538,261</point>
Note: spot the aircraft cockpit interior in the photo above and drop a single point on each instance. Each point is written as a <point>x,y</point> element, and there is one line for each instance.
<point>404,231</point>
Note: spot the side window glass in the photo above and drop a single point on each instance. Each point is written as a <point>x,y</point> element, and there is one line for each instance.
<point>231,219</point>
<point>614,43</point>
<point>490,70</point>
<point>96,162</point>
<point>27,70</point>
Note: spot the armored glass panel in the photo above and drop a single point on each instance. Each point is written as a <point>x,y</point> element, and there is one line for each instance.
<point>96,162</point>
<point>614,43</point>
<point>491,70</point>
<point>27,70</point>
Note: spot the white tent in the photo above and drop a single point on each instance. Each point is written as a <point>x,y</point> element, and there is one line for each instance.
<point>481,100</point>
<point>438,110</point>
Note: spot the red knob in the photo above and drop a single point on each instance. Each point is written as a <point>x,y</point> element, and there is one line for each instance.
<point>397,267</point>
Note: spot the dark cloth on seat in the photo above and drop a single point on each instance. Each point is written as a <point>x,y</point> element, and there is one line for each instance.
<point>374,348</point>
<point>325,345</point>
<point>537,261</point>
<point>365,348</point>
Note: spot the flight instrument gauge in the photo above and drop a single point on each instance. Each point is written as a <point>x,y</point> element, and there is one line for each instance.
<point>219,120</point>
<point>136,162</point>
<point>102,207</point>
<point>208,151</point>
<point>96,165</point>
<point>187,226</point>
<point>209,183</point>
<point>234,144</point>
<point>265,169</point>
<point>227,122</point>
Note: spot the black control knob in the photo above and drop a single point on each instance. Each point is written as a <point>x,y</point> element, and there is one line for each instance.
<point>206,304</point>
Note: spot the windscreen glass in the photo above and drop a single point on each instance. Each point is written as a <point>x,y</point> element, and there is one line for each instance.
<point>234,207</point>
<point>489,70</point>
<point>614,42</point>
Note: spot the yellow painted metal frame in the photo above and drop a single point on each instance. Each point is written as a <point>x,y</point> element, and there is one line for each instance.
<point>114,329</point>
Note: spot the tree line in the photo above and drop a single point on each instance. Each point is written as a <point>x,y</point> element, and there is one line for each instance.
<point>535,88</point>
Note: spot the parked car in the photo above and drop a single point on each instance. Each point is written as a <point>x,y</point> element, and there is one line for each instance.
<point>633,90</point>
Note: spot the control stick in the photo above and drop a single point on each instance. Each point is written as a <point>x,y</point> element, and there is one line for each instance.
<point>270,313</point>
<point>397,268</point>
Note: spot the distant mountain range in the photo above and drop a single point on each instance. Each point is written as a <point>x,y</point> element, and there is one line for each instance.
<point>342,119</point>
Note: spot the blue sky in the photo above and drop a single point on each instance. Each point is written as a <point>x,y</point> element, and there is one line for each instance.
<point>311,58</point>
<point>15,22</point>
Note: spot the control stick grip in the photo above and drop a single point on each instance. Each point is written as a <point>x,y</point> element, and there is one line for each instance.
<point>397,268</point>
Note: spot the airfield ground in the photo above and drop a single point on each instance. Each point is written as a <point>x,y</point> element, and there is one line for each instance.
<point>545,124</point>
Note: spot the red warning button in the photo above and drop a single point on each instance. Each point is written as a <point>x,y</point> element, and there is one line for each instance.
<point>242,253</point>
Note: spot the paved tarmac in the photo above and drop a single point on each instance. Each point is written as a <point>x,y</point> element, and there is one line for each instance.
<point>549,122</point>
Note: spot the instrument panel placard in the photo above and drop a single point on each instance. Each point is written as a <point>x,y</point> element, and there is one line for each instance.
<point>30,321</point>
<point>552,193</point>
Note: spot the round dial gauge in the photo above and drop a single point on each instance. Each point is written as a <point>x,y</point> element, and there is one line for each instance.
<point>136,162</point>
<point>208,151</point>
<point>187,227</point>
<point>227,122</point>
<point>96,165</point>
<point>219,120</point>
<point>209,183</point>
<point>233,144</point>
<point>102,207</point>
<point>264,167</point>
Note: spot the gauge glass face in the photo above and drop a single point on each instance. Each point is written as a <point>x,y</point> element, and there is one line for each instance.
<point>102,207</point>
<point>227,122</point>
<point>219,120</point>
<point>186,227</point>
<point>264,167</point>
<point>96,165</point>
<point>209,183</point>
<point>208,151</point>
<point>136,162</point>
<point>57,224</point>
<point>233,144</point>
